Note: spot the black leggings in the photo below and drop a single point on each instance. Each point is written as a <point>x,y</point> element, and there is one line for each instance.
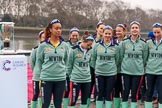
<point>75,88</point>
<point>67,87</point>
<point>92,83</point>
<point>55,88</point>
<point>150,82</point>
<point>105,87</point>
<point>118,86</point>
<point>36,90</point>
<point>133,83</point>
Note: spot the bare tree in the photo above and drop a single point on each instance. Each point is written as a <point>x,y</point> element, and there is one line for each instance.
<point>5,5</point>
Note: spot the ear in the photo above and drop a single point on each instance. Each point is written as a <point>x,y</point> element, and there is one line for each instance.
<point>96,28</point>
<point>50,29</point>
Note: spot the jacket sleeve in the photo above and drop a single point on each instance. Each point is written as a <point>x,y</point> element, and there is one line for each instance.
<point>121,52</point>
<point>70,61</point>
<point>145,53</point>
<point>40,58</point>
<point>67,51</point>
<point>117,56</point>
<point>94,56</point>
<point>32,59</point>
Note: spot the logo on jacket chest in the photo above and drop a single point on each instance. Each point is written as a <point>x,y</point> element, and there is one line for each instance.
<point>79,55</point>
<point>126,46</point>
<point>47,49</point>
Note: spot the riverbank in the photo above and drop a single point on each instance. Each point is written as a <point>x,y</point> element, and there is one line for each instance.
<point>64,31</point>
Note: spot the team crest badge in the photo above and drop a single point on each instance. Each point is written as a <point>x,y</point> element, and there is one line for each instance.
<point>150,46</point>
<point>127,46</point>
<point>79,55</point>
<point>62,49</point>
<point>99,49</point>
<point>47,49</point>
<point>111,48</point>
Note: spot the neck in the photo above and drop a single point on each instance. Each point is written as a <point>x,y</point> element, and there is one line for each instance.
<point>98,37</point>
<point>106,41</point>
<point>120,39</point>
<point>82,45</point>
<point>54,38</point>
<point>158,39</point>
<point>72,41</point>
<point>134,38</point>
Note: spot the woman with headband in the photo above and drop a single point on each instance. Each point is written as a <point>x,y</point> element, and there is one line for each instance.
<point>154,66</point>
<point>97,38</point>
<point>73,41</point>
<point>35,78</point>
<point>133,52</point>
<point>79,71</point>
<point>51,64</point>
<point>120,34</point>
<point>73,37</point>
<point>105,58</point>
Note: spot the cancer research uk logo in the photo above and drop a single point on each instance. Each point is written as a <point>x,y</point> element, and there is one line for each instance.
<point>8,65</point>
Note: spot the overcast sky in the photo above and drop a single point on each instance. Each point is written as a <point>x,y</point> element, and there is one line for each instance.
<point>145,4</point>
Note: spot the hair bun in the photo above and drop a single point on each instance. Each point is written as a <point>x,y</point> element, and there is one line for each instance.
<point>86,33</point>
<point>125,25</point>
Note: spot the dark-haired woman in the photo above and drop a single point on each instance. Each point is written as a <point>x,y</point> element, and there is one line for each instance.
<point>79,71</point>
<point>73,41</point>
<point>35,78</point>
<point>51,63</point>
<point>97,38</point>
<point>133,52</point>
<point>105,58</point>
<point>120,32</point>
<point>154,66</point>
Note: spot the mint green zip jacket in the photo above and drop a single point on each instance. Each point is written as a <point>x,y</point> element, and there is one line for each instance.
<point>51,62</point>
<point>93,46</point>
<point>154,60</point>
<point>133,56</point>
<point>70,44</point>
<point>78,65</point>
<point>105,59</point>
<point>33,56</point>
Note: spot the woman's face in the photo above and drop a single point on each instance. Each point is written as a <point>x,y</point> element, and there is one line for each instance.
<point>120,32</point>
<point>107,35</point>
<point>56,29</point>
<point>135,30</point>
<point>87,44</point>
<point>42,38</point>
<point>157,32</point>
<point>74,35</point>
<point>100,29</point>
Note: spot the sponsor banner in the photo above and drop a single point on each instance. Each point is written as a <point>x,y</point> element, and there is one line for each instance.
<point>13,76</point>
